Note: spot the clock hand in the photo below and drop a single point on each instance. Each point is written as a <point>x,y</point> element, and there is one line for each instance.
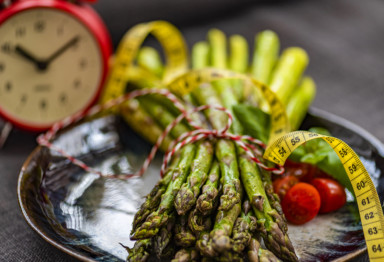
<point>27,55</point>
<point>61,50</point>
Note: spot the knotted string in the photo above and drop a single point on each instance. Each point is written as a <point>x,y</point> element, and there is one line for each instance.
<point>249,144</point>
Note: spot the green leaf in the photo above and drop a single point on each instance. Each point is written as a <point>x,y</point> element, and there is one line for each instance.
<point>255,122</point>
<point>320,153</point>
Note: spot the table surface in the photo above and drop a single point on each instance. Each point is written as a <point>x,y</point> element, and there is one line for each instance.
<point>343,39</point>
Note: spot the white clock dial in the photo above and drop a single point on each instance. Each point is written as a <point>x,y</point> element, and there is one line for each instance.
<point>50,66</point>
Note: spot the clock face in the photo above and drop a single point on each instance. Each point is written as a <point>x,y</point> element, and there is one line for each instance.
<point>50,66</point>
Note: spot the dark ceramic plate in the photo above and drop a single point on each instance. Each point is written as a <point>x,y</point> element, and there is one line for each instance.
<point>88,217</point>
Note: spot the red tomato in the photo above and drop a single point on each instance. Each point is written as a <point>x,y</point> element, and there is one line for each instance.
<point>332,194</point>
<point>304,172</point>
<point>301,203</point>
<point>283,184</point>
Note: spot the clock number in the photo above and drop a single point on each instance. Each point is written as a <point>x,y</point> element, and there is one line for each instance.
<point>77,83</point>
<point>2,67</point>
<point>8,86</point>
<point>40,26</point>
<point>63,98</point>
<point>20,31</point>
<point>6,47</point>
<point>43,104</point>
<point>83,63</point>
<point>23,99</point>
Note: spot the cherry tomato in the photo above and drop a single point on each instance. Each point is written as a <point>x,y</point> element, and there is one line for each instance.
<point>303,171</point>
<point>283,184</point>
<point>301,203</point>
<point>332,194</point>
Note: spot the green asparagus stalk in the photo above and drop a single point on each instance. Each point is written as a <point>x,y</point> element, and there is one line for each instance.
<point>158,218</point>
<point>162,116</point>
<point>162,240</point>
<point>224,89</point>
<point>188,193</point>
<point>183,235</point>
<point>238,61</point>
<point>300,101</point>
<point>210,192</point>
<point>218,240</point>
<point>200,55</point>
<point>225,220</point>
<point>258,254</point>
<point>187,255</point>
<point>244,225</point>
<point>149,59</point>
<point>265,55</point>
<point>274,236</point>
<point>152,200</point>
<point>140,251</point>
<point>141,122</point>
<point>288,72</point>
<point>274,200</point>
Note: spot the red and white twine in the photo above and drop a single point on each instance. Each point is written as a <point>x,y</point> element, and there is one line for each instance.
<point>249,144</point>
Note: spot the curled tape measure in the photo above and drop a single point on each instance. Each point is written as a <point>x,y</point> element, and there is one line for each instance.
<point>281,145</point>
<point>170,39</point>
<point>371,213</point>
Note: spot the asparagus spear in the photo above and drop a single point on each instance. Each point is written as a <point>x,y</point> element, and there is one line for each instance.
<point>183,235</point>
<point>210,191</point>
<point>188,193</point>
<point>238,61</point>
<point>258,254</point>
<point>162,240</point>
<point>267,46</point>
<point>152,200</point>
<point>288,72</point>
<point>162,116</point>
<point>222,230</point>
<point>158,218</point>
<point>265,55</point>
<point>186,255</point>
<point>244,225</point>
<point>149,59</point>
<point>300,101</point>
<point>140,251</point>
<point>274,236</point>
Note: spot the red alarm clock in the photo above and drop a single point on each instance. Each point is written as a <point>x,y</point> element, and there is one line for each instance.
<point>53,60</point>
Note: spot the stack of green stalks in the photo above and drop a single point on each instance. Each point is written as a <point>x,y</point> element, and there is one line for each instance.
<point>214,203</point>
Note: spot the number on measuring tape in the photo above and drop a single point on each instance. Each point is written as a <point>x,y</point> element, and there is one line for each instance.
<point>371,213</point>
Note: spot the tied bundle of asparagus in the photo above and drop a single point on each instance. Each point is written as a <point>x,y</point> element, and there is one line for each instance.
<point>214,203</point>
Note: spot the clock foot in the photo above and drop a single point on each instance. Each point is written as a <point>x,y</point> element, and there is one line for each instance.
<point>4,133</point>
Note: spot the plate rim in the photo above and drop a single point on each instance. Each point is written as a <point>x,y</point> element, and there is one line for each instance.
<point>379,146</point>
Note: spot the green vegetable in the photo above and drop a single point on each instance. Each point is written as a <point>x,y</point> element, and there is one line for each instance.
<point>288,72</point>
<point>267,46</point>
<point>254,121</point>
<point>320,153</point>
<point>300,101</point>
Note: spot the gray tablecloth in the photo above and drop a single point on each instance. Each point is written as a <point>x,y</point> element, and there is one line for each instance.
<point>344,39</point>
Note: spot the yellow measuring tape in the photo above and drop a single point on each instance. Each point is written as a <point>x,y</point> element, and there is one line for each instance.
<point>371,213</point>
<point>170,39</point>
<point>281,145</point>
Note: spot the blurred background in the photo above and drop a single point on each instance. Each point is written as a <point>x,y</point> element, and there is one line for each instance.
<point>344,40</point>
